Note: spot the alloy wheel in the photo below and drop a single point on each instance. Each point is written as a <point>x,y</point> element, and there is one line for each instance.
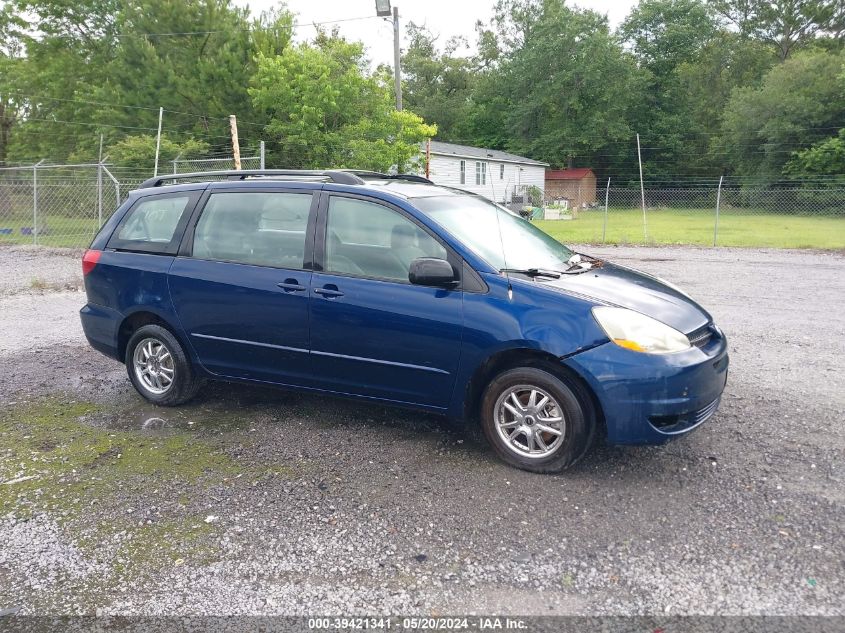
<point>529,421</point>
<point>153,364</point>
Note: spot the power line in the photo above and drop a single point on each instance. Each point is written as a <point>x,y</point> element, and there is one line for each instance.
<point>133,107</point>
<point>124,127</point>
<point>225,31</point>
<point>247,30</point>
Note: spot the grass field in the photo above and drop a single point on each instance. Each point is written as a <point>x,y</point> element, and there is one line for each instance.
<point>624,226</point>
<point>54,231</point>
<point>687,226</point>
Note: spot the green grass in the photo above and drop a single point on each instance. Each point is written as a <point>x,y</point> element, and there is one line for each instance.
<point>55,230</point>
<point>688,226</point>
<point>624,226</point>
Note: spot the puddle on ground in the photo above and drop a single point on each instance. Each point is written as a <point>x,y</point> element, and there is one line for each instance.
<point>218,408</point>
<point>224,407</point>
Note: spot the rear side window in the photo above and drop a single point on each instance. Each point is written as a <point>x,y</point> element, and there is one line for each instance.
<point>257,228</point>
<point>151,224</point>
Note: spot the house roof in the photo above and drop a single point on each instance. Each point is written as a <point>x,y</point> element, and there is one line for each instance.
<point>576,173</point>
<point>467,151</point>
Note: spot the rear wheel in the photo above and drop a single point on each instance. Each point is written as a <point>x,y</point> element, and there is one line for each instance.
<point>159,368</point>
<point>535,420</point>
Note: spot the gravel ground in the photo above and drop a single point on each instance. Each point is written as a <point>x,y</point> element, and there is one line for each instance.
<point>36,269</point>
<point>265,502</point>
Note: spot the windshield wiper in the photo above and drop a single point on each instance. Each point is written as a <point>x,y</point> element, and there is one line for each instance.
<point>532,272</point>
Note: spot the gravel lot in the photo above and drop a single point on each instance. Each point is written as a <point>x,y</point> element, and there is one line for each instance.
<point>257,501</point>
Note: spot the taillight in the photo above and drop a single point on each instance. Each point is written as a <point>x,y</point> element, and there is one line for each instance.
<point>89,260</point>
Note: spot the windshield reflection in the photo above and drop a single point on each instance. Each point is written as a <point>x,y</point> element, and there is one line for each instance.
<point>501,238</point>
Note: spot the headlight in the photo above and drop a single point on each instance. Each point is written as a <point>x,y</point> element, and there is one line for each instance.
<point>635,331</point>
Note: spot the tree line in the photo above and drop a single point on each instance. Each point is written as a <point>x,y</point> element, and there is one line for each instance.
<point>744,88</point>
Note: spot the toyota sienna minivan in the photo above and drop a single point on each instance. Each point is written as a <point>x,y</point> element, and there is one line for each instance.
<point>397,291</point>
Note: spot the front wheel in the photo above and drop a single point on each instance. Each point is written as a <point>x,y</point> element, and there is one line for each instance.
<point>535,421</point>
<point>159,368</point>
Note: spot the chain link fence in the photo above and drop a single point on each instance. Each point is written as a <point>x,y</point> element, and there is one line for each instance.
<point>797,215</point>
<point>221,163</point>
<point>58,205</point>
<point>65,205</point>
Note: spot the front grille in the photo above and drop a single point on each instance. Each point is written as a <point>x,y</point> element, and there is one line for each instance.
<point>671,424</point>
<point>702,414</point>
<point>700,337</point>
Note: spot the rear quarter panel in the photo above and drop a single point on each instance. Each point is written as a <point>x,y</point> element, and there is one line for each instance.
<point>128,283</point>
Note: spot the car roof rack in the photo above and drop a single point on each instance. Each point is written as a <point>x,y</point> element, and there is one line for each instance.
<point>338,176</point>
<point>362,173</point>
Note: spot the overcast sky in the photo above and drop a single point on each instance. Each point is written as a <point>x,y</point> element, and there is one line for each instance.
<point>443,17</point>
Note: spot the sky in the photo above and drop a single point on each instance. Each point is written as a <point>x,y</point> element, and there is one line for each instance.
<point>443,17</point>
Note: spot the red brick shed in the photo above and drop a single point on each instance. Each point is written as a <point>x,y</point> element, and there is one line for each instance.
<point>578,185</point>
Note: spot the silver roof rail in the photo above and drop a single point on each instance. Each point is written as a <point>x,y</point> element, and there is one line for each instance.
<point>331,175</point>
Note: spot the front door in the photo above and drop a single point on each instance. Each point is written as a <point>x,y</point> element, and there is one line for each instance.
<point>242,294</point>
<point>373,333</point>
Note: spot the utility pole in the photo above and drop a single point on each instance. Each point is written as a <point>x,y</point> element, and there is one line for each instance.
<point>158,140</point>
<point>236,148</point>
<point>384,11</point>
<point>397,68</point>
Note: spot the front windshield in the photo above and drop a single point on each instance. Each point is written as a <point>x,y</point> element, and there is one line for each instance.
<point>473,220</point>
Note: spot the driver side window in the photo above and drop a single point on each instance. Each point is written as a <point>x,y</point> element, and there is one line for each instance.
<point>366,239</point>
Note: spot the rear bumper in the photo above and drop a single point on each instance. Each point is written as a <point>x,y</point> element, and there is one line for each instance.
<point>101,326</point>
<point>651,398</point>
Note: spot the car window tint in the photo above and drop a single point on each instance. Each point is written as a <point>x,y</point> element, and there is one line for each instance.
<point>371,240</point>
<point>153,221</point>
<point>262,229</point>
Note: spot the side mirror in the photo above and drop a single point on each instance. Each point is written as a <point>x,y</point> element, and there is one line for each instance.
<point>430,271</point>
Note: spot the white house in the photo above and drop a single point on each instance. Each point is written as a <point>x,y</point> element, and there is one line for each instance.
<point>497,175</point>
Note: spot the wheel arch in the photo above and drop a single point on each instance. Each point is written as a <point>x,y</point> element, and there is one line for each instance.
<point>525,357</point>
<point>138,319</point>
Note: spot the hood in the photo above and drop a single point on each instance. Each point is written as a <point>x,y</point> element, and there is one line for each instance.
<point>628,288</point>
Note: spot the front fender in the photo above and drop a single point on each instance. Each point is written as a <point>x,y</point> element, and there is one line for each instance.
<point>520,315</point>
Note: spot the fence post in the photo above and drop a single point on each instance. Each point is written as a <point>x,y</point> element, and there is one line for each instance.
<point>35,201</point>
<point>176,160</point>
<point>606,198</point>
<point>100,194</point>
<point>718,202</point>
<point>158,140</point>
<point>642,188</point>
<point>261,155</point>
<point>116,187</point>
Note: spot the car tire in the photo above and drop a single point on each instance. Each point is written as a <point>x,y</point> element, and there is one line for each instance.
<point>158,367</point>
<point>537,421</point>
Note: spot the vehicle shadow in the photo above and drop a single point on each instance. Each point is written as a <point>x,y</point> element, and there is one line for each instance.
<point>222,408</point>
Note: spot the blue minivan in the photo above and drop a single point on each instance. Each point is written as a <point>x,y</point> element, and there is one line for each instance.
<point>392,289</point>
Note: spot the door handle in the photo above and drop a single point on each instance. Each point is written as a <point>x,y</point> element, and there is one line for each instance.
<point>291,285</point>
<point>329,291</point>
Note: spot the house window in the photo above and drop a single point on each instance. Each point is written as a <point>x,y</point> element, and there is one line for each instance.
<point>463,172</point>
<point>480,173</point>
<point>502,171</point>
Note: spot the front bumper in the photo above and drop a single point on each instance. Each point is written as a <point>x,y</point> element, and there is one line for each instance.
<point>652,398</point>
